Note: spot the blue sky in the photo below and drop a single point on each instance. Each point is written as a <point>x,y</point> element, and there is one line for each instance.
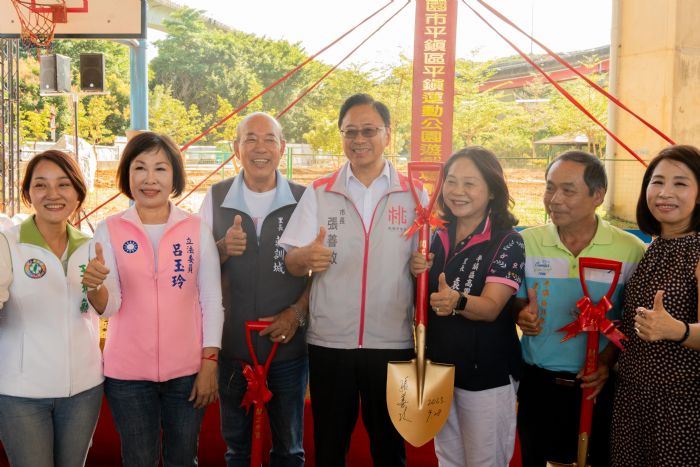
<point>563,25</point>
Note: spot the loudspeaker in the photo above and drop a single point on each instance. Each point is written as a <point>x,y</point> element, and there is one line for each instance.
<point>54,73</point>
<point>92,72</point>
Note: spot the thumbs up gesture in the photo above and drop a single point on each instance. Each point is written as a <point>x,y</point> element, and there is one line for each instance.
<point>657,324</point>
<point>235,239</point>
<point>96,272</point>
<point>318,256</point>
<point>529,316</point>
<point>445,299</point>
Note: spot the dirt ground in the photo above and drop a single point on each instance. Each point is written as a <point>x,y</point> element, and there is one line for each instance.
<point>526,186</point>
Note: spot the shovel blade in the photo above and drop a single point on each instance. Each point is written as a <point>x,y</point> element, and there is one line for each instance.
<point>418,419</point>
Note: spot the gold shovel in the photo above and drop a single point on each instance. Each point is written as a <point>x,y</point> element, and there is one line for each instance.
<point>419,392</point>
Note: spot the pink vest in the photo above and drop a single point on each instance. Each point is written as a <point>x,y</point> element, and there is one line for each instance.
<point>157,333</point>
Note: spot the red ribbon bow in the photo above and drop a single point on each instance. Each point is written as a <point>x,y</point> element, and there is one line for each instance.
<point>257,390</point>
<point>592,319</point>
<point>423,216</point>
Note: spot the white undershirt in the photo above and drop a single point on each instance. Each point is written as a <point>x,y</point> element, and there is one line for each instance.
<point>259,205</point>
<point>303,226</point>
<point>155,233</point>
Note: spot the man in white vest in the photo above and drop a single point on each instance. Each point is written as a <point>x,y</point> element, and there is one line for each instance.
<point>347,230</point>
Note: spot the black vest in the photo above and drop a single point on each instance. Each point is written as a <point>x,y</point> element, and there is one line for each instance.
<point>250,285</point>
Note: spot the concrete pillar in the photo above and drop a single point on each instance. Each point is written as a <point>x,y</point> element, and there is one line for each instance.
<point>657,76</point>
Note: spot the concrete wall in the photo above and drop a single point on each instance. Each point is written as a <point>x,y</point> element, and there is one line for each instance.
<point>657,67</point>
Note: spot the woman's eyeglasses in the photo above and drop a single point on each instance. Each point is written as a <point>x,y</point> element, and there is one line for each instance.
<point>367,132</point>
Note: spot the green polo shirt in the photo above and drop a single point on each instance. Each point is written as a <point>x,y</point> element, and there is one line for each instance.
<point>552,271</point>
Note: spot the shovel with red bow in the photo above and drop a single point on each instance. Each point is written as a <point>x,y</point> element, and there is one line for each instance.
<point>257,393</point>
<point>593,322</point>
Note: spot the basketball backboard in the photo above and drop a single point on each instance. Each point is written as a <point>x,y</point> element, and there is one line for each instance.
<point>104,19</point>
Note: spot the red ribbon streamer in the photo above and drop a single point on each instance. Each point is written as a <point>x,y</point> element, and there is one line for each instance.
<point>257,391</point>
<point>558,87</point>
<point>423,217</point>
<point>257,96</point>
<point>559,59</point>
<point>592,319</point>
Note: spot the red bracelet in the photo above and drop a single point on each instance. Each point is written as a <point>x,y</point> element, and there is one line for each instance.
<point>211,357</point>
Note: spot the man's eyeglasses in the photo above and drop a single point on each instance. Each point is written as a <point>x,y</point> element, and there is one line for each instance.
<point>367,132</point>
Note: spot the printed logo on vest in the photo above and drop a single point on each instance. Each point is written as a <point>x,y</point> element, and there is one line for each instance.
<point>397,215</point>
<point>130,246</point>
<point>34,268</point>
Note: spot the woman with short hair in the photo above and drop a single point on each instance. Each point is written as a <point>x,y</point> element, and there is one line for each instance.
<point>162,295</point>
<point>50,361</point>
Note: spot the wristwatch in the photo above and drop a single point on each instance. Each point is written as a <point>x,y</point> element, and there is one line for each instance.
<point>300,315</point>
<point>461,304</point>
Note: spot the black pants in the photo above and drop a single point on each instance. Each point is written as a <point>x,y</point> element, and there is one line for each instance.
<point>549,410</point>
<point>339,380</point>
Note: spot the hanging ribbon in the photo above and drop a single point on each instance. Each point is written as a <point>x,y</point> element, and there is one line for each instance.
<point>592,318</point>
<point>257,391</point>
<point>423,217</point>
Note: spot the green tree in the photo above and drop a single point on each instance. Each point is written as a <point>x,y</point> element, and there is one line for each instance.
<point>34,126</point>
<point>483,118</point>
<point>227,130</point>
<point>91,119</point>
<point>323,104</point>
<point>170,116</point>
<point>568,119</point>
<point>395,90</point>
<point>229,64</point>
<point>535,101</point>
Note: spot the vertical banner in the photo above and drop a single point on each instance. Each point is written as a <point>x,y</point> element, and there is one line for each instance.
<point>433,79</point>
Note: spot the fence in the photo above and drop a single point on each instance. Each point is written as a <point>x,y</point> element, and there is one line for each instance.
<point>525,177</point>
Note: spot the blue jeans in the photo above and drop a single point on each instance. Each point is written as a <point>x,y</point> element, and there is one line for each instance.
<point>49,432</point>
<point>287,381</point>
<point>142,408</point>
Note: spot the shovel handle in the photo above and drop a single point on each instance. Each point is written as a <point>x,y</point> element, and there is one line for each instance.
<point>599,263</point>
<point>259,326</point>
<point>415,166</point>
<point>424,233</point>
<point>422,279</point>
<point>591,366</point>
<point>256,325</point>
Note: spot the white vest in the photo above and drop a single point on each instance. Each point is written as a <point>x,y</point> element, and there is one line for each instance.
<point>48,346</point>
<point>365,298</point>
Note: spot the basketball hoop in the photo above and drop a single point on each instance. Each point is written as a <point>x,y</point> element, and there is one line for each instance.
<point>39,20</point>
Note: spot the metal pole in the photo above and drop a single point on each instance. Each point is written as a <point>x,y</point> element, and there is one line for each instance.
<point>613,88</point>
<point>290,160</point>
<point>139,86</point>
<point>9,125</point>
<point>15,133</point>
<point>75,97</point>
<point>4,46</point>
